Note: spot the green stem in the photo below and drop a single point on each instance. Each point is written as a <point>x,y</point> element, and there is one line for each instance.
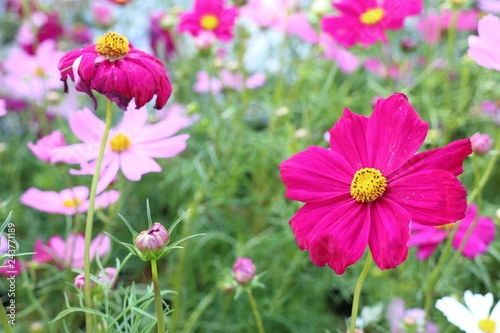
<point>255,311</point>
<point>90,220</point>
<point>5,320</point>
<point>158,300</point>
<point>357,292</point>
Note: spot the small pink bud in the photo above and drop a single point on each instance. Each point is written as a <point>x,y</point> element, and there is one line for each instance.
<point>204,41</point>
<point>80,281</point>
<point>481,143</point>
<point>107,276</point>
<point>153,240</point>
<point>244,270</point>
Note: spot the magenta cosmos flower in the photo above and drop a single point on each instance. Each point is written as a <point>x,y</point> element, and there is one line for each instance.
<point>131,146</point>
<point>370,185</point>
<point>365,21</point>
<point>67,202</point>
<point>428,238</point>
<point>114,68</point>
<point>485,48</point>
<point>211,16</point>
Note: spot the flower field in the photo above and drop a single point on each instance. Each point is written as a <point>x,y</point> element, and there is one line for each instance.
<point>250,166</point>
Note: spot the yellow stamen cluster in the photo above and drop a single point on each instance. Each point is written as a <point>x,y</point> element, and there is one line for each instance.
<point>209,22</point>
<point>39,72</point>
<point>120,143</point>
<point>487,325</point>
<point>112,46</point>
<point>367,185</point>
<point>72,203</point>
<point>372,16</point>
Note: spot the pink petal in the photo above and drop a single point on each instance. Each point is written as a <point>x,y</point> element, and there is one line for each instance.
<point>87,126</point>
<point>389,233</point>
<point>394,133</point>
<point>45,201</point>
<point>316,174</point>
<point>425,251</point>
<point>165,148</point>
<point>134,166</point>
<point>426,235</point>
<point>133,120</point>
<point>100,245</point>
<point>348,138</point>
<point>42,252</point>
<point>108,175</point>
<point>432,197</point>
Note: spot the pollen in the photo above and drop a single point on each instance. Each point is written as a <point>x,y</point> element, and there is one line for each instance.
<point>487,325</point>
<point>120,143</point>
<point>112,46</point>
<point>372,16</point>
<point>209,22</point>
<point>367,185</point>
<point>72,203</point>
<point>39,72</point>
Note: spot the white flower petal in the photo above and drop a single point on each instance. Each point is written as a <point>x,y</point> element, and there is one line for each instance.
<point>478,304</point>
<point>458,314</point>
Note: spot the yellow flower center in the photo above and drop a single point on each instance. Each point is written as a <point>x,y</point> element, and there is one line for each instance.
<point>446,227</point>
<point>120,143</point>
<point>372,16</point>
<point>112,46</point>
<point>39,72</point>
<point>209,22</point>
<point>72,203</point>
<point>367,185</point>
<point>487,325</point>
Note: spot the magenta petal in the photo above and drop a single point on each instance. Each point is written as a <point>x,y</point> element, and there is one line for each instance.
<point>426,235</point>
<point>389,233</point>
<point>432,197</point>
<point>347,137</point>
<point>316,174</point>
<point>450,158</point>
<point>394,133</point>
<point>425,251</point>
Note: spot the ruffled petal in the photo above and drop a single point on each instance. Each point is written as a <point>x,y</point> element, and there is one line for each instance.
<point>432,197</point>
<point>316,174</point>
<point>389,233</point>
<point>394,133</point>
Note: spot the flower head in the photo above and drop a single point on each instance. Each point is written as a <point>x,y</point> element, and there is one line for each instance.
<point>211,16</point>
<point>42,148</point>
<point>152,240</point>
<point>475,316</point>
<point>114,68</point>
<point>244,270</point>
<point>427,238</point>
<point>365,21</point>
<point>403,320</point>
<point>485,48</point>
<point>367,188</point>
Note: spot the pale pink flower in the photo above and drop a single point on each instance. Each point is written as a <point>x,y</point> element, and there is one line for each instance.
<point>346,61</point>
<point>3,109</point>
<point>132,145</point>
<point>485,48</point>
<point>31,77</point>
<point>434,25</point>
<point>255,81</point>
<point>68,202</point>
<point>70,253</point>
<point>42,148</point>
<point>489,6</point>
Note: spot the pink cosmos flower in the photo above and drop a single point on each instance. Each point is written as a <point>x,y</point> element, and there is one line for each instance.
<point>211,16</point>
<point>346,61</point>
<point>427,238</point>
<point>42,148</point>
<point>367,188</point>
<point>10,266</point>
<point>31,77</point>
<point>67,202</point>
<point>131,147</point>
<point>365,21</point>
<point>433,25</point>
<point>41,27</point>
<point>114,68</point>
<point>485,48</point>
<point>69,253</point>
<point>403,320</point>
<point>489,6</point>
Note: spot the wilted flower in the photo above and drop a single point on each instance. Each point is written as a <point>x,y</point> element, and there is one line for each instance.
<point>481,143</point>
<point>244,270</point>
<point>475,316</point>
<point>367,188</point>
<point>114,68</point>
<point>152,240</point>
<point>43,147</point>
<point>485,48</point>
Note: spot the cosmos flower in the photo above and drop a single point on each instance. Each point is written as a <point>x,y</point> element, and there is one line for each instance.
<point>485,48</point>
<point>132,145</point>
<point>365,21</point>
<point>403,320</point>
<point>475,316</point>
<point>67,202</point>
<point>434,25</point>
<point>211,16</point>
<point>69,253</point>
<point>367,188</point>
<point>42,148</point>
<point>160,34</point>
<point>427,238</point>
<point>114,68</point>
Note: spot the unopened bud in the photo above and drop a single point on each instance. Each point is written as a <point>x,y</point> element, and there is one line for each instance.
<point>408,44</point>
<point>244,270</point>
<point>481,143</point>
<point>153,240</point>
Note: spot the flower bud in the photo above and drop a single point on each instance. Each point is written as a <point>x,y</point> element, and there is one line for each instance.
<point>107,276</point>
<point>244,270</point>
<point>152,240</point>
<point>80,281</point>
<point>408,44</point>
<point>481,143</point>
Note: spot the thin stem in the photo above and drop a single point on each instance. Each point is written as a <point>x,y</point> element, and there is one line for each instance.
<point>90,220</point>
<point>357,292</point>
<point>5,320</point>
<point>255,311</point>
<point>158,300</point>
